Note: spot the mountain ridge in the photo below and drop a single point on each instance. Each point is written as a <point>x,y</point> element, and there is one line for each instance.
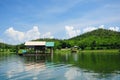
<point>96,39</point>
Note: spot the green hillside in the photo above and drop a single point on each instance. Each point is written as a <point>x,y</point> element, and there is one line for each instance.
<point>97,39</point>
<point>7,47</point>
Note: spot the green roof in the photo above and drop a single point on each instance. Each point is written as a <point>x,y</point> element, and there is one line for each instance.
<point>49,44</point>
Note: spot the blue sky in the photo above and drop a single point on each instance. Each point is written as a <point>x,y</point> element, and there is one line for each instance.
<point>23,20</point>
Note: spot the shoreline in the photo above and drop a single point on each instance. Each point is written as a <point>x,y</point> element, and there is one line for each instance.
<point>78,51</point>
<point>89,51</point>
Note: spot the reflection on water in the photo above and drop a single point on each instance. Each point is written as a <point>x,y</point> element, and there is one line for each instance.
<point>82,66</point>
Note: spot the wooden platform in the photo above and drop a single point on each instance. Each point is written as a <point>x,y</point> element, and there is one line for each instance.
<point>41,54</point>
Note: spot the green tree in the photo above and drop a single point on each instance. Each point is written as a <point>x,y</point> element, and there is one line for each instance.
<point>93,45</point>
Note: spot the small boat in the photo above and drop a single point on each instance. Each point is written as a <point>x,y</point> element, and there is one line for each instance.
<point>74,49</point>
<point>21,52</point>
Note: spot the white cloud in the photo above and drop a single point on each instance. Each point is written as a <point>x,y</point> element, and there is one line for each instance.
<point>22,36</point>
<point>71,32</point>
<point>32,34</point>
<point>88,29</point>
<point>16,37</point>
<point>114,28</point>
<point>47,35</point>
<point>101,26</point>
<point>14,34</point>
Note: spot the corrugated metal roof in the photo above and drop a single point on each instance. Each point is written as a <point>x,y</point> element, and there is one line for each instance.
<point>49,44</point>
<point>35,43</point>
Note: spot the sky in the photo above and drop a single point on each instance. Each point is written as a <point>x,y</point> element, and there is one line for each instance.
<point>24,20</point>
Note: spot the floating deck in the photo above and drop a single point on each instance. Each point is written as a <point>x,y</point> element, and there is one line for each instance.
<point>34,54</point>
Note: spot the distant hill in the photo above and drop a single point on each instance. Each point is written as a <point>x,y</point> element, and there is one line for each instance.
<point>6,47</point>
<point>97,39</point>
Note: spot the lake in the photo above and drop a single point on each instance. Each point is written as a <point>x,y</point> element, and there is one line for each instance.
<point>71,66</point>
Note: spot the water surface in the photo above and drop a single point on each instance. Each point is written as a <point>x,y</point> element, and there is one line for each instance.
<point>82,66</point>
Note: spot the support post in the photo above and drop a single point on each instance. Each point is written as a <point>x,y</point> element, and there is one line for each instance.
<point>51,50</point>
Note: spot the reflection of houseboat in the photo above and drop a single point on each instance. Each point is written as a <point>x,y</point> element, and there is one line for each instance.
<point>36,66</point>
<point>74,49</point>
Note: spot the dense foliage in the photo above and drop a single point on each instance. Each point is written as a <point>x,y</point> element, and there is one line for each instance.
<point>97,39</point>
<point>7,47</point>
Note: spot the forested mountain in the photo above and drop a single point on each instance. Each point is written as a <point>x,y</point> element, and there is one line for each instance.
<point>7,47</point>
<point>97,39</point>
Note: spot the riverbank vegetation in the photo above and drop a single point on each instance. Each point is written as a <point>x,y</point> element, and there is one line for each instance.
<point>99,40</point>
<point>64,51</point>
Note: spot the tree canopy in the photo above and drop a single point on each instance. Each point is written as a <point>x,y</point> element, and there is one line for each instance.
<point>97,39</point>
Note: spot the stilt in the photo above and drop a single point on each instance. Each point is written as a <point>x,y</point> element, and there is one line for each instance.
<point>40,47</point>
<point>51,50</point>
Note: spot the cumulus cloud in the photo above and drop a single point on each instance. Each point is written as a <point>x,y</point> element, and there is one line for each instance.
<point>14,34</point>
<point>32,34</point>
<point>114,28</point>
<point>71,32</point>
<point>101,26</point>
<point>47,35</point>
<point>23,36</point>
<point>88,29</point>
<point>18,36</point>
